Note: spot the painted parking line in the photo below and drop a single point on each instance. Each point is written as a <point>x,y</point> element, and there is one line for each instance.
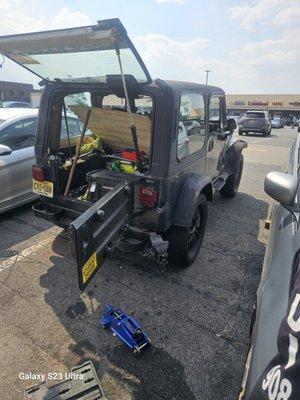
<point>260,140</point>
<point>11,261</point>
<point>255,149</point>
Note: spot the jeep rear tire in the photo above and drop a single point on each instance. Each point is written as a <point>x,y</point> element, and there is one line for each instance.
<point>233,181</point>
<point>185,243</point>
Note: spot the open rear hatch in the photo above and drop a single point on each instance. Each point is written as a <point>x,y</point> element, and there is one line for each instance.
<point>84,54</point>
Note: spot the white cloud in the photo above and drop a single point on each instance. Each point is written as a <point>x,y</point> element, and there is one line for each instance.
<point>288,17</point>
<point>263,66</point>
<point>16,17</point>
<point>65,18</point>
<point>267,12</point>
<point>170,1</point>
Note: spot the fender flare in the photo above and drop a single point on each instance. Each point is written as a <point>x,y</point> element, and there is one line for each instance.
<point>232,156</point>
<point>188,197</point>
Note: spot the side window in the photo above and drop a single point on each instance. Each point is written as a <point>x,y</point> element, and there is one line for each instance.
<point>19,135</point>
<point>215,117</point>
<point>191,126</point>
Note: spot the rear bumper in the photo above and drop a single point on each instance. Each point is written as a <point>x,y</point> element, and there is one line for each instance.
<point>42,210</point>
<point>254,129</point>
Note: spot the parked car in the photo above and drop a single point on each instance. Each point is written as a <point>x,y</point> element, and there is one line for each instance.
<point>15,104</point>
<point>277,122</point>
<point>17,139</point>
<point>192,127</point>
<point>289,121</point>
<point>255,122</point>
<point>273,360</point>
<point>183,141</point>
<point>138,192</point>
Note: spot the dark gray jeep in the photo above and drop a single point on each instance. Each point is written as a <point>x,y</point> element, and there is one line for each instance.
<point>131,173</point>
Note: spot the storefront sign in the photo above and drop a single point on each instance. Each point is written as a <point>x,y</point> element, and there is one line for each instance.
<point>295,103</point>
<point>239,103</point>
<point>258,103</point>
<point>277,103</point>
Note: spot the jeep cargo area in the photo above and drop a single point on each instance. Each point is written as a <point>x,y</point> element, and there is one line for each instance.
<point>136,165</point>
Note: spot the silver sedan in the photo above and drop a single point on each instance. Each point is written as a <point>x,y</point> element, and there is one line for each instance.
<point>17,137</point>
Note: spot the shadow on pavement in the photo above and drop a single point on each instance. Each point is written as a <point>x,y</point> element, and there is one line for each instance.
<point>197,318</point>
<point>18,225</point>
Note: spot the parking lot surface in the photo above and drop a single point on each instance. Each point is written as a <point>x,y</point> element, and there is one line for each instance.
<point>197,318</point>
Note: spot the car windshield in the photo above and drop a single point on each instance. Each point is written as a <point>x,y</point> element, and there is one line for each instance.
<point>254,115</point>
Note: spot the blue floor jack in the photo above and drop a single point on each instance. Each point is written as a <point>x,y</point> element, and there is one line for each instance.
<point>126,328</point>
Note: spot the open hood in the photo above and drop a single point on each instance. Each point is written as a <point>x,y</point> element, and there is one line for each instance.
<point>84,54</point>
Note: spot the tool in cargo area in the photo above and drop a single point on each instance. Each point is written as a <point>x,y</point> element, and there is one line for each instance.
<point>139,163</point>
<point>125,327</point>
<point>81,383</point>
<point>79,143</point>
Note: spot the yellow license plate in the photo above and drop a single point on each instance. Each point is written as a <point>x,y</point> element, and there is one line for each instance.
<point>44,188</point>
<point>89,267</point>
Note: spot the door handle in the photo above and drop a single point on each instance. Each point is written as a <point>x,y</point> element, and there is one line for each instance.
<point>210,145</point>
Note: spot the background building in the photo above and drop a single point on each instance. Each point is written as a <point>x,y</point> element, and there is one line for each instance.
<point>277,104</point>
<point>15,91</point>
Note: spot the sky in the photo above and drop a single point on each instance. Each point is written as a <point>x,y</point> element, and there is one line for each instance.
<point>250,46</point>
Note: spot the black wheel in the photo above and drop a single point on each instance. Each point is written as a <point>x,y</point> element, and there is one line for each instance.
<point>233,182</point>
<point>185,243</point>
<point>240,133</point>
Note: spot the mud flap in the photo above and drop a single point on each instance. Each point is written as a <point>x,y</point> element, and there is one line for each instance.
<point>94,232</point>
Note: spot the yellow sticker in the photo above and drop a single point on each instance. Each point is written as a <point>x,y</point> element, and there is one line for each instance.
<point>89,267</point>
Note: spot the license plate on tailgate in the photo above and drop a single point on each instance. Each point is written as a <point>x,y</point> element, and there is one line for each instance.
<point>44,188</point>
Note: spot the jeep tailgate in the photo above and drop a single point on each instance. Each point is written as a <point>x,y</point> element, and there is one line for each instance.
<point>94,231</point>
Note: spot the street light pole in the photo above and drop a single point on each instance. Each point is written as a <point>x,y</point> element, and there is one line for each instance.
<point>207,72</point>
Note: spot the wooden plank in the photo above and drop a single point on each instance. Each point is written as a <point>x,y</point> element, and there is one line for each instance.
<point>113,126</point>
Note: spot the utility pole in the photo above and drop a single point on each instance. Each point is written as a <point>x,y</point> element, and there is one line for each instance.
<point>207,72</point>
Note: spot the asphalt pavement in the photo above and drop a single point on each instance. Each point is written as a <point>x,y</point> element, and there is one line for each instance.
<point>198,318</point>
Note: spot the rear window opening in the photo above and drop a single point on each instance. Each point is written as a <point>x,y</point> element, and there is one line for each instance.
<point>107,152</point>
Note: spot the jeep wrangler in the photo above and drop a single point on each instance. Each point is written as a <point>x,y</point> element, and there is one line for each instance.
<point>142,157</point>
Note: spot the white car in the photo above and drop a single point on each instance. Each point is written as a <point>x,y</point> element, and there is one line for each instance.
<point>17,139</point>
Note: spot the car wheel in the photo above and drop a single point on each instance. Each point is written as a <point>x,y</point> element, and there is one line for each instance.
<point>233,182</point>
<point>240,133</point>
<point>185,243</point>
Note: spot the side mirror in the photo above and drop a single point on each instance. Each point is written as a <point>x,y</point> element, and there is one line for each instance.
<point>5,150</point>
<point>231,124</point>
<point>281,187</point>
